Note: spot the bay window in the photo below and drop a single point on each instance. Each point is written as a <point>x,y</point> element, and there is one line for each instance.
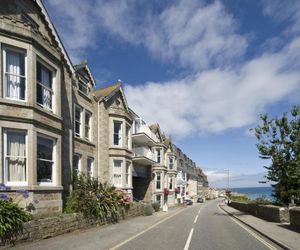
<point>45,93</point>
<point>171,163</point>
<point>158,155</point>
<point>158,181</point>
<point>14,68</point>
<point>78,120</point>
<point>45,159</point>
<point>127,174</point>
<point>90,167</point>
<point>15,167</point>
<point>117,137</point>
<point>77,163</point>
<point>171,183</point>
<point>117,171</point>
<point>88,116</point>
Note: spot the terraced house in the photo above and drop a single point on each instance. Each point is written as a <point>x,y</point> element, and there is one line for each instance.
<point>53,123</point>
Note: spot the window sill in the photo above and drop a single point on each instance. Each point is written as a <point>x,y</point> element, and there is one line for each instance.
<point>80,139</point>
<point>83,95</point>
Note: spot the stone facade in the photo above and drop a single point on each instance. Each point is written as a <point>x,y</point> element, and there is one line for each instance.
<point>53,122</point>
<point>35,90</point>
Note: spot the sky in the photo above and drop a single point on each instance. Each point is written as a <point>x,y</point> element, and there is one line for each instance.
<point>204,70</point>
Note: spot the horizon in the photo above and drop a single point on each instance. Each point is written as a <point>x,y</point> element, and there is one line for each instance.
<point>204,70</point>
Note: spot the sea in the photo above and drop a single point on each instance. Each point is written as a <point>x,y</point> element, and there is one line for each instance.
<point>255,192</point>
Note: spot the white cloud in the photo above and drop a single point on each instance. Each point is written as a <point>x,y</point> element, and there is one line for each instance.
<point>191,33</point>
<point>222,91</point>
<point>216,100</point>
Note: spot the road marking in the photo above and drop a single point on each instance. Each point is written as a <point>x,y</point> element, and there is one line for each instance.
<point>199,211</point>
<point>188,242</point>
<point>196,219</point>
<point>145,230</point>
<point>256,236</point>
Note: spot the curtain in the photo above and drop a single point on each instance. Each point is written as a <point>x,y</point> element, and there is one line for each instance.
<point>14,66</point>
<point>16,160</point>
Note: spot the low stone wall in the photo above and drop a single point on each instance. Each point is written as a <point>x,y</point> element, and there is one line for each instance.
<point>37,229</point>
<point>295,217</point>
<point>267,212</point>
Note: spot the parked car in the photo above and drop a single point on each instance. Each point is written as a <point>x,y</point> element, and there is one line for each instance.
<point>200,200</point>
<point>188,202</point>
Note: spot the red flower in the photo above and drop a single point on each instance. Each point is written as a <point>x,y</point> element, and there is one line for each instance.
<point>166,191</point>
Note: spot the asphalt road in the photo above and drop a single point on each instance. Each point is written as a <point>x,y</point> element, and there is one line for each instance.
<point>202,226</point>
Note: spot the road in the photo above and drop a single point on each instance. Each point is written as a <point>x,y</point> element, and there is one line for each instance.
<point>200,226</point>
<point>203,226</point>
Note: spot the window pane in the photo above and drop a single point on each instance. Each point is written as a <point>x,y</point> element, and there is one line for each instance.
<point>76,161</point>
<point>15,75</point>
<point>15,156</point>
<point>44,148</point>
<point>90,167</point>
<point>44,171</point>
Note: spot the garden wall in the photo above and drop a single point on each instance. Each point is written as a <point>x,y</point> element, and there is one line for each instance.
<point>37,229</point>
<point>267,212</point>
<point>295,217</point>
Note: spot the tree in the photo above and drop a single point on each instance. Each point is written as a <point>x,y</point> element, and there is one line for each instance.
<point>279,142</point>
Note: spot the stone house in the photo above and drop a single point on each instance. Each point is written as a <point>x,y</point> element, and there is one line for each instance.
<point>53,122</point>
<point>143,139</point>
<point>85,122</point>
<point>35,104</point>
<point>114,137</point>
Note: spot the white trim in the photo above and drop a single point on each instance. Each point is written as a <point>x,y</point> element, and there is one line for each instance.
<point>80,122</point>
<point>52,91</point>
<point>53,183</point>
<point>89,125</point>
<point>79,161</point>
<point>14,183</point>
<point>120,137</point>
<point>161,183</point>
<point>120,174</point>
<point>92,167</point>
<point>4,82</point>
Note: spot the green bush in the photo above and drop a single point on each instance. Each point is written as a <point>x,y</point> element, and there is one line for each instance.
<point>148,209</point>
<point>156,206</point>
<point>96,200</point>
<point>261,201</point>
<point>12,218</point>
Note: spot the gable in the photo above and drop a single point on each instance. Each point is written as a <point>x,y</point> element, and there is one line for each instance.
<point>32,15</point>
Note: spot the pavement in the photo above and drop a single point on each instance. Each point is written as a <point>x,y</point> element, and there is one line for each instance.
<point>104,237</point>
<point>282,234</point>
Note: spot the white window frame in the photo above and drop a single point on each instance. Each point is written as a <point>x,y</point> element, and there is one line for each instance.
<point>14,183</point>
<point>171,182</point>
<point>160,181</point>
<point>86,85</point>
<point>53,183</point>
<point>158,155</point>
<point>4,84</point>
<point>91,172</point>
<point>127,174</point>
<point>88,125</point>
<point>127,132</point>
<point>80,121</point>
<point>79,161</point>
<point>159,201</point>
<point>52,91</point>
<point>119,134</point>
<point>169,163</point>
<point>117,174</point>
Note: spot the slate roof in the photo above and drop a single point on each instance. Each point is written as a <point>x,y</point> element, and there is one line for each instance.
<point>108,91</point>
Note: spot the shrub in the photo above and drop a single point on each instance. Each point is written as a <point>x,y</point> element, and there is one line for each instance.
<point>261,201</point>
<point>148,209</point>
<point>12,218</point>
<point>156,206</point>
<point>96,200</point>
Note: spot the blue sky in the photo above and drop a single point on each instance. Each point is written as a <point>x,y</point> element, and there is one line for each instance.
<point>205,70</point>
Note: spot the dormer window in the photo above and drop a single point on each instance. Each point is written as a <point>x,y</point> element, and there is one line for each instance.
<point>83,87</point>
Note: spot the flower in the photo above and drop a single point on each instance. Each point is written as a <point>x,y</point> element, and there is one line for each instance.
<point>36,201</point>
<point>24,192</point>
<point>166,191</point>
<point>4,197</point>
